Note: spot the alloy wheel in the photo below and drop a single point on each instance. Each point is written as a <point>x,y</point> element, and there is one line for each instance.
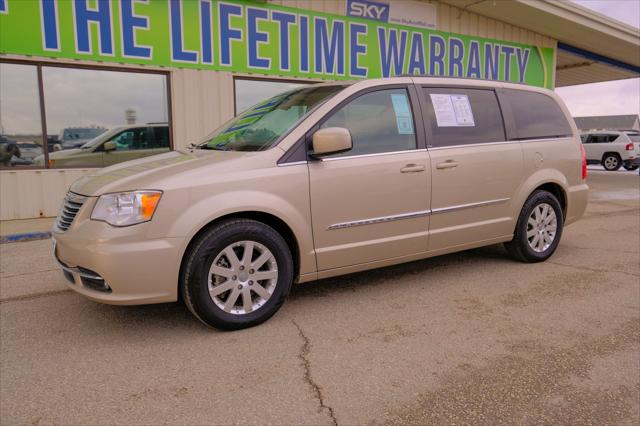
<point>541,227</point>
<point>242,277</point>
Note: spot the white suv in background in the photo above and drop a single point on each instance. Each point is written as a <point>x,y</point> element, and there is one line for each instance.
<point>613,149</point>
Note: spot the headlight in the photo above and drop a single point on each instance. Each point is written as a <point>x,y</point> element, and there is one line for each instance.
<point>126,208</point>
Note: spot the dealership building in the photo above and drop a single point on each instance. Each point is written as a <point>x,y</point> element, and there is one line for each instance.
<point>154,75</point>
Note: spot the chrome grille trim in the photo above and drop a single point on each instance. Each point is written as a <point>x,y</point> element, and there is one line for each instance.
<point>70,208</point>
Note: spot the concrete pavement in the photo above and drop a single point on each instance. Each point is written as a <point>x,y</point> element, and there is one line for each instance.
<point>466,338</point>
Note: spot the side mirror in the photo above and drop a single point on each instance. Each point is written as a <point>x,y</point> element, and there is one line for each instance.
<point>331,140</point>
<point>110,146</point>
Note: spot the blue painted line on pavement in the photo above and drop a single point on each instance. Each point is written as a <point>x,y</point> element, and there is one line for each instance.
<point>28,236</point>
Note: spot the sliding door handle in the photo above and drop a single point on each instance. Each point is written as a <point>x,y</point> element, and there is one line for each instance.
<point>449,164</point>
<point>413,168</point>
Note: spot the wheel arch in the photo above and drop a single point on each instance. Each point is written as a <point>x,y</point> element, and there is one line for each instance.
<point>558,191</point>
<point>607,153</point>
<point>268,219</point>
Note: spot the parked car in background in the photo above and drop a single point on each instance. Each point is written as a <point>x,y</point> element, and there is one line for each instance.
<point>322,181</point>
<point>53,143</point>
<point>114,146</point>
<point>29,150</point>
<point>613,149</point>
<point>75,137</point>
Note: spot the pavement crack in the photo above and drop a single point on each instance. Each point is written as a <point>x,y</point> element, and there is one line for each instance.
<point>317,391</point>
<point>34,296</point>
<point>585,268</point>
<point>28,273</point>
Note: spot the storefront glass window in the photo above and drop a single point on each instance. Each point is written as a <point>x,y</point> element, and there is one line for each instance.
<point>20,123</point>
<point>97,118</point>
<point>250,92</point>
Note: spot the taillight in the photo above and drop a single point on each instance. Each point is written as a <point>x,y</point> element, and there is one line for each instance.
<point>629,147</point>
<point>584,163</point>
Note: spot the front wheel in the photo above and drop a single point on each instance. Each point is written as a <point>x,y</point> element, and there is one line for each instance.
<point>538,230</point>
<point>611,162</point>
<point>237,274</point>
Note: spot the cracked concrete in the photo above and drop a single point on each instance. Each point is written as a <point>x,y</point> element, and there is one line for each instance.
<point>305,350</point>
<point>471,337</point>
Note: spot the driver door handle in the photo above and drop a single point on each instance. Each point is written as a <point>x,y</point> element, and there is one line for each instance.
<point>413,168</point>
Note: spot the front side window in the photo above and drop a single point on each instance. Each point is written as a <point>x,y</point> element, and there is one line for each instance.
<point>133,139</point>
<point>460,116</point>
<point>380,121</point>
<point>536,115</point>
<point>259,127</point>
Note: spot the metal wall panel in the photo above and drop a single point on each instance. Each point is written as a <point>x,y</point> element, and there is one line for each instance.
<point>202,100</point>
<point>26,194</point>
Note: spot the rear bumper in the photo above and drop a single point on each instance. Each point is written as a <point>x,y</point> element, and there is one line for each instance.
<point>632,162</point>
<point>577,199</point>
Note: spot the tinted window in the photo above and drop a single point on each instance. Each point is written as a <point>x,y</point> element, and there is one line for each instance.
<point>602,138</point>
<point>537,115</point>
<point>379,121</point>
<point>463,116</point>
<point>133,139</point>
<point>634,138</point>
<point>161,137</point>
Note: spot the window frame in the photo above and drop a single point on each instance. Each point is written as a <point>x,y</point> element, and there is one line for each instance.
<point>416,112</point>
<point>43,120</point>
<point>427,120</point>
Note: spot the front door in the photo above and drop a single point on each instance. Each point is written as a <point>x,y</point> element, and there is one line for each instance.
<point>131,144</point>
<point>372,202</point>
<point>475,171</point>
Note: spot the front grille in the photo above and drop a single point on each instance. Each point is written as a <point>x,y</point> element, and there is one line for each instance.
<point>70,207</point>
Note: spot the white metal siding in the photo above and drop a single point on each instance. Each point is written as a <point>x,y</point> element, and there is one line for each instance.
<point>202,100</point>
<point>29,194</point>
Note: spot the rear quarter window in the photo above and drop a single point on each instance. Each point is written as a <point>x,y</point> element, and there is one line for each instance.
<point>536,115</point>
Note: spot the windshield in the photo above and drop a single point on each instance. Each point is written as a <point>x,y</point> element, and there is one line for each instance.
<point>261,126</point>
<point>101,138</point>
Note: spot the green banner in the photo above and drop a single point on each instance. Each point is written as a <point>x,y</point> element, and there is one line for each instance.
<point>258,37</point>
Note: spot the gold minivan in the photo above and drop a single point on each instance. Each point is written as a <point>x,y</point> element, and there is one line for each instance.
<point>322,181</point>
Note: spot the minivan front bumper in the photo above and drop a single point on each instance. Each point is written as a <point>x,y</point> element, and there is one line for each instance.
<point>121,272</point>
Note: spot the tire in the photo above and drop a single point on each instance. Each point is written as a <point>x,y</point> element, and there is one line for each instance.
<point>523,249</point>
<point>235,276</point>
<point>611,162</point>
<point>631,167</point>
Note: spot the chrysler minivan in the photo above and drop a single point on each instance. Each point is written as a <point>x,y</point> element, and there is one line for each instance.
<point>323,181</point>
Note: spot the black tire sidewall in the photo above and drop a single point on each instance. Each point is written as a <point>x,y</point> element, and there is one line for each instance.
<point>537,198</point>
<point>201,258</point>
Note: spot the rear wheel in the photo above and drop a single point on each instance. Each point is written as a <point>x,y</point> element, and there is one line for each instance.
<point>538,230</point>
<point>237,274</point>
<point>611,162</point>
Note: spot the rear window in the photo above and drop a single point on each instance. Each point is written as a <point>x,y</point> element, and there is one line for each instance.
<point>634,138</point>
<point>459,116</point>
<point>536,115</point>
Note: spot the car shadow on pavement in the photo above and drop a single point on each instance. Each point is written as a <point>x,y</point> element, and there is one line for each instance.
<point>176,316</point>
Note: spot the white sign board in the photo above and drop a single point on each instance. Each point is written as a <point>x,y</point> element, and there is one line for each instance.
<point>452,110</point>
<point>405,12</point>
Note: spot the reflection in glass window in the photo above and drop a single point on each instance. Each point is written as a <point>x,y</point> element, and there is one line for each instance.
<point>250,92</point>
<point>261,126</point>
<point>85,109</point>
<point>379,121</point>
<point>20,124</point>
